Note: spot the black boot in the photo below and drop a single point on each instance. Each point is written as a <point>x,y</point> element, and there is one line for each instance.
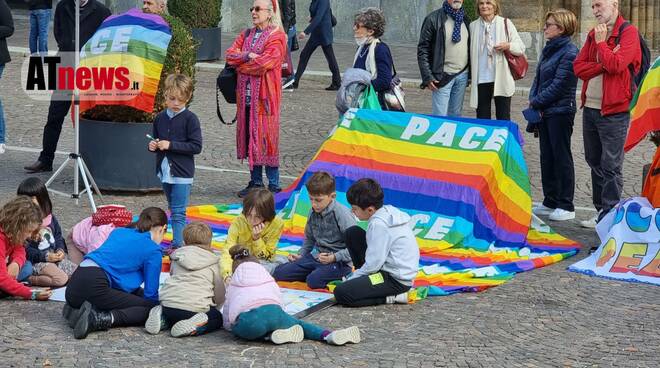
<point>91,320</point>
<point>71,314</point>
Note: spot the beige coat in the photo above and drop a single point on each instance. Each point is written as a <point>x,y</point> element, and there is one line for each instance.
<point>504,83</point>
<point>195,283</point>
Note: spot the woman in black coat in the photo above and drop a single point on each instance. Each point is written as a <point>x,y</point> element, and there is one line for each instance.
<point>320,34</point>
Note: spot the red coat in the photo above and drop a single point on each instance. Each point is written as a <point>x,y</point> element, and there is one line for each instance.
<point>595,59</point>
<point>15,253</point>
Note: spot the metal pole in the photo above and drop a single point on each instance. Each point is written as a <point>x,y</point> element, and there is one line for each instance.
<point>76,108</point>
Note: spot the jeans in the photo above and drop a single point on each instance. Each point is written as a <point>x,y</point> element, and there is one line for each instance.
<point>39,20</point>
<point>2,111</point>
<point>24,272</point>
<point>177,200</point>
<point>174,315</point>
<point>365,290</point>
<point>604,138</point>
<point>272,173</point>
<point>309,269</point>
<point>485,94</point>
<point>448,100</point>
<point>260,322</point>
<point>557,169</point>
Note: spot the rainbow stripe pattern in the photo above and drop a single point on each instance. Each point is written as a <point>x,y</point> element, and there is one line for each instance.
<point>137,41</point>
<point>645,107</point>
<point>463,181</point>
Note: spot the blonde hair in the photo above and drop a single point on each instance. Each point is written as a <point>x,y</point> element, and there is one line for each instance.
<point>178,85</point>
<point>17,216</point>
<point>199,234</point>
<point>496,4</point>
<point>565,19</point>
<point>275,16</point>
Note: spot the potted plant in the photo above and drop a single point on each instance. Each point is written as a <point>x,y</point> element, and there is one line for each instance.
<point>113,137</point>
<point>203,17</point>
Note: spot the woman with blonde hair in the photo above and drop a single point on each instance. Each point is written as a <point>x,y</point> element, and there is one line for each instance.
<point>257,54</point>
<point>491,36</point>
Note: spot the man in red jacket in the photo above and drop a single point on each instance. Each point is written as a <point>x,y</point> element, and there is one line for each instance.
<point>605,68</point>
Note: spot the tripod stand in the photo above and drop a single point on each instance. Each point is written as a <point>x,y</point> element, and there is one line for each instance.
<point>79,167</point>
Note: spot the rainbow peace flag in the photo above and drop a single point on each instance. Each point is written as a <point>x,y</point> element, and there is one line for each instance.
<point>645,107</point>
<point>133,40</point>
<point>463,181</point>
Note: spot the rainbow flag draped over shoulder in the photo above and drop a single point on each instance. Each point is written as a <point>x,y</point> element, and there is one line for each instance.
<point>463,181</point>
<point>645,107</point>
<point>133,42</point>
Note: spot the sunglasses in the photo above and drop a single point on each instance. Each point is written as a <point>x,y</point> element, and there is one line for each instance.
<point>257,9</point>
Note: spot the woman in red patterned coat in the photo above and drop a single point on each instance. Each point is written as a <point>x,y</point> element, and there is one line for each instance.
<point>257,54</point>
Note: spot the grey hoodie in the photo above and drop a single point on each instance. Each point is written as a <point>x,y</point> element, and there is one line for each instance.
<point>391,246</point>
<point>195,283</point>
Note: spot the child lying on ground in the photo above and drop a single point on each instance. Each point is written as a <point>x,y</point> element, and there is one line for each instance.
<point>253,308</point>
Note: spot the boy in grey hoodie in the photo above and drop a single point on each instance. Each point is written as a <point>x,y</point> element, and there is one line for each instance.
<point>386,256</point>
<point>191,297</point>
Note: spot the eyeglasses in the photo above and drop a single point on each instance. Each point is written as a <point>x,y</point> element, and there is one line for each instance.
<point>548,25</point>
<point>257,9</point>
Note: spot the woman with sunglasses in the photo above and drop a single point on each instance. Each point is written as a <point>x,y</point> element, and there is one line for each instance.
<point>257,54</point>
<point>553,96</point>
<point>105,290</point>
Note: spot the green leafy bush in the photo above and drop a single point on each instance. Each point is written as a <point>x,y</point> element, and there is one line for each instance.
<point>470,7</point>
<point>197,13</point>
<point>181,55</point>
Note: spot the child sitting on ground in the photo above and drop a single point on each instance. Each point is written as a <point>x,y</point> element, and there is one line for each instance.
<point>177,138</point>
<point>50,264</point>
<point>386,255</point>
<point>258,229</point>
<point>253,308</point>
<point>20,219</point>
<point>188,299</point>
<point>323,257</point>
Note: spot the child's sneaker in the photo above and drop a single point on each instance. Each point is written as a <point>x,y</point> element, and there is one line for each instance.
<point>397,299</point>
<point>292,334</point>
<point>155,323</point>
<point>341,337</point>
<point>195,325</point>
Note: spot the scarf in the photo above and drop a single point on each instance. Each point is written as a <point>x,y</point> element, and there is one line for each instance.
<point>457,16</point>
<point>488,41</point>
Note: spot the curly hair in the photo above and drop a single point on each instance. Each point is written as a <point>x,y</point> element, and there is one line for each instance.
<point>372,19</point>
<point>18,216</point>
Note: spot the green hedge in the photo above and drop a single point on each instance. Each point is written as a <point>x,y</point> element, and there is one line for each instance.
<point>197,13</point>
<point>470,7</point>
<point>181,58</point>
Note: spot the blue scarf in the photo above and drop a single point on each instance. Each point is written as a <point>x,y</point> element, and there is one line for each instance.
<point>457,15</point>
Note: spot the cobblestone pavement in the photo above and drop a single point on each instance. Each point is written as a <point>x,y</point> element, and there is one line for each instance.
<point>547,317</point>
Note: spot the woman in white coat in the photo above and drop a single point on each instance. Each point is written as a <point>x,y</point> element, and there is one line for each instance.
<point>490,72</point>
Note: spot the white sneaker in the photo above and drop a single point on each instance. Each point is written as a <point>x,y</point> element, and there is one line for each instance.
<point>2,148</point>
<point>192,326</point>
<point>288,83</point>
<point>542,210</point>
<point>292,334</point>
<point>341,337</point>
<point>398,299</point>
<point>561,215</point>
<point>591,223</point>
<point>155,321</point>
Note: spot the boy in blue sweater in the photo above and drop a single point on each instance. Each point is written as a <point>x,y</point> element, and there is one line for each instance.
<point>177,137</point>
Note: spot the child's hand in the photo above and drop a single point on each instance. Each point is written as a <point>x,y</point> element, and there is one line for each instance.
<point>293,257</point>
<point>256,231</point>
<point>52,257</point>
<point>13,269</point>
<point>43,295</point>
<point>327,258</point>
<point>153,145</point>
<point>163,145</point>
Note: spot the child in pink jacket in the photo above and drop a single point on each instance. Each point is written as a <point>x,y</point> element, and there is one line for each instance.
<point>253,308</point>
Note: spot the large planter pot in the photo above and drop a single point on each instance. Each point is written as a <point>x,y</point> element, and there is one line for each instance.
<point>117,156</point>
<point>209,43</point>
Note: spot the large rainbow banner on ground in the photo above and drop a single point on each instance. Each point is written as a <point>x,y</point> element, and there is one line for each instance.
<point>463,181</point>
<point>136,42</point>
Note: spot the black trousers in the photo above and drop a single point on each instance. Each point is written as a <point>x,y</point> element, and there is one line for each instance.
<point>57,111</point>
<point>174,315</point>
<point>557,169</point>
<point>365,290</point>
<point>485,93</point>
<point>91,284</point>
<point>329,53</point>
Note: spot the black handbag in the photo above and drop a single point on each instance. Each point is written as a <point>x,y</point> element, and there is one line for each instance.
<point>226,84</point>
